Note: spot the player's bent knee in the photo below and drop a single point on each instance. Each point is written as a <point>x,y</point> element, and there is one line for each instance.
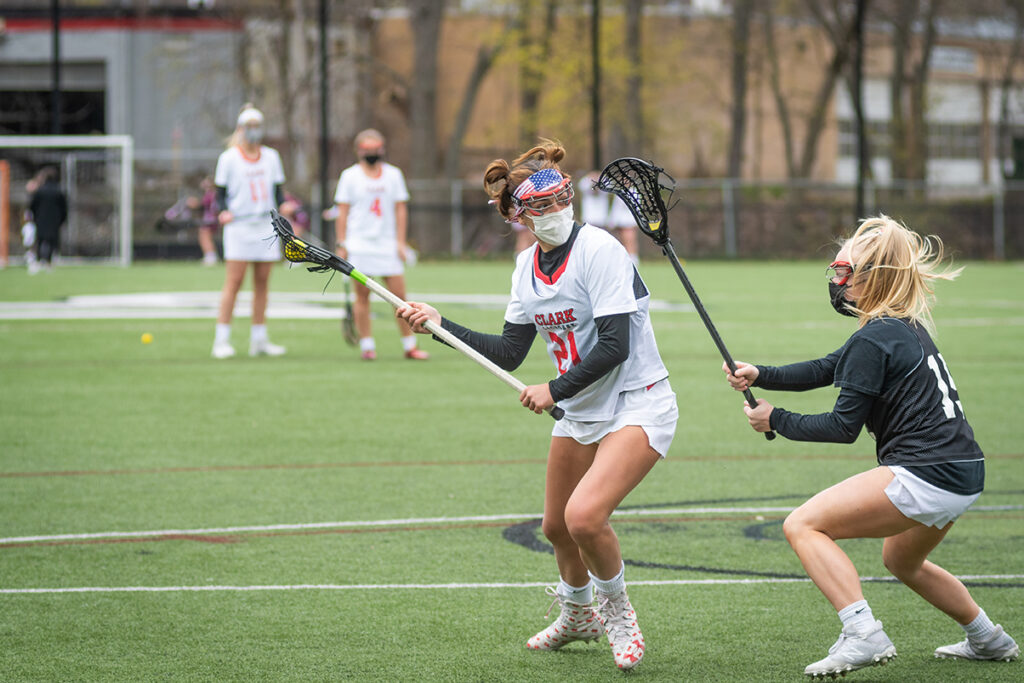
<point>584,525</point>
<point>795,524</point>
<point>556,531</point>
<point>904,569</point>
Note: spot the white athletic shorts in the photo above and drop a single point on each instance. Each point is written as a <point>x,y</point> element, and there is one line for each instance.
<point>377,264</point>
<point>924,502</point>
<point>653,409</point>
<point>251,240</point>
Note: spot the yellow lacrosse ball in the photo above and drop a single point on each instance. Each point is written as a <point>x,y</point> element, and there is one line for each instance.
<point>147,338</point>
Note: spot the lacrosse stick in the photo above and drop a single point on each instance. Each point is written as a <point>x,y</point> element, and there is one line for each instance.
<point>638,184</point>
<point>297,251</point>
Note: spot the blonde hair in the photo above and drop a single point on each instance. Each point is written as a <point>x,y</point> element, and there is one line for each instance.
<point>895,269</point>
<point>502,178</point>
<point>238,134</point>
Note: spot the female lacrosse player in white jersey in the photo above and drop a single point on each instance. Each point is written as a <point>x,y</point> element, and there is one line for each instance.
<point>248,179</point>
<point>578,289</point>
<point>373,215</point>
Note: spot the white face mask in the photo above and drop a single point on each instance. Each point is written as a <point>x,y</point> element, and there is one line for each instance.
<point>554,228</point>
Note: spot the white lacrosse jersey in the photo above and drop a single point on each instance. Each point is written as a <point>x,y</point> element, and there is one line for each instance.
<point>371,226</point>
<point>593,203</point>
<point>250,184</point>
<point>596,279</point>
<point>620,216</point>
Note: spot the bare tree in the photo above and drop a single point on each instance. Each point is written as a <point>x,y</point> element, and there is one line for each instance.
<point>426,24</point>
<point>1007,81</point>
<point>742,10</point>
<point>909,82</point>
<point>627,129</point>
<point>486,55</point>
<point>536,52</point>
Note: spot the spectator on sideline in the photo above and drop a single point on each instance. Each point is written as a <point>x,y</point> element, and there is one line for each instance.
<point>370,233</point>
<point>208,222</point>
<point>249,180</point>
<point>49,208</point>
<point>893,380</point>
<point>578,288</point>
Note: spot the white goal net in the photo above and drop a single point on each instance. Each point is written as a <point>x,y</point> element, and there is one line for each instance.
<point>96,176</point>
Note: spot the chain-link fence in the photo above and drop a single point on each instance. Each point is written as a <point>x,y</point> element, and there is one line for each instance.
<point>711,218</point>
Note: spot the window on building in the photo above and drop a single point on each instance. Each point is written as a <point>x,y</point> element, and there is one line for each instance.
<point>28,112</point>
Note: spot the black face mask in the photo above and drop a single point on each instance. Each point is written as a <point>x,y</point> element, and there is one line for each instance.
<point>837,295</point>
<point>371,159</point>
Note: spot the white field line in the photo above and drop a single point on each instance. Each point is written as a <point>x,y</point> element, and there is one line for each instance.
<point>199,305</point>
<point>438,586</point>
<point>411,521</point>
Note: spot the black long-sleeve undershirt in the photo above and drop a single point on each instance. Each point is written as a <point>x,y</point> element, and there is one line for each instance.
<point>221,196</point>
<point>509,349</point>
<point>848,415</point>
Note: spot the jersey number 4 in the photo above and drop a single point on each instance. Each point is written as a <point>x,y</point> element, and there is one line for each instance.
<point>566,357</point>
<point>944,387</point>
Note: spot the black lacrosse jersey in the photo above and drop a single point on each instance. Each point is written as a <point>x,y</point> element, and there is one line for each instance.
<point>916,417</point>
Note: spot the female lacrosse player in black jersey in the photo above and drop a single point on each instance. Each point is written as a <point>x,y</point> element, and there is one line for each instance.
<point>578,288</point>
<point>892,379</point>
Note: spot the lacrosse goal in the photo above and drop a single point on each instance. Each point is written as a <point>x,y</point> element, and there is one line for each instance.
<point>95,174</point>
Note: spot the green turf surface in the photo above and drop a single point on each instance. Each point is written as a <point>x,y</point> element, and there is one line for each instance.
<point>280,473</point>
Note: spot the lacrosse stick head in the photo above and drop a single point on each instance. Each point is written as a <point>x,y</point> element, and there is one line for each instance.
<point>297,251</point>
<point>639,184</point>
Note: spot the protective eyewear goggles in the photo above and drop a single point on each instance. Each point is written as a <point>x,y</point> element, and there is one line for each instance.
<point>840,272</point>
<point>537,203</point>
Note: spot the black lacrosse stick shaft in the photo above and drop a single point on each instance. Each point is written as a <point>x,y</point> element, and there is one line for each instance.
<point>670,252</point>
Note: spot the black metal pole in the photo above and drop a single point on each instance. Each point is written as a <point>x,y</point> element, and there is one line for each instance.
<point>324,232</point>
<point>858,108</point>
<point>55,103</point>
<point>595,93</point>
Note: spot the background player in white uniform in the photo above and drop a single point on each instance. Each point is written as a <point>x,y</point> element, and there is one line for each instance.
<point>370,231</point>
<point>892,380</point>
<point>578,289</point>
<point>249,177</point>
<point>608,211</point>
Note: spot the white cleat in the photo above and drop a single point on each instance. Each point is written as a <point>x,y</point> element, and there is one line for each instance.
<point>223,350</point>
<point>265,348</point>
<point>854,651</point>
<point>1000,647</point>
<point>619,621</point>
<point>576,621</point>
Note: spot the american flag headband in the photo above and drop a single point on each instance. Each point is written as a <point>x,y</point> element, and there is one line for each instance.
<point>544,183</point>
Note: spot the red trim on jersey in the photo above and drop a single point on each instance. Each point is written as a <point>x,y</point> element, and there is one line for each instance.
<point>251,160</point>
<point>554,276</point>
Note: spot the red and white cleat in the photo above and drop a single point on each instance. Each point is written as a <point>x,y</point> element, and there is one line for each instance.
<point>575,621</point>
<point>619,621</point>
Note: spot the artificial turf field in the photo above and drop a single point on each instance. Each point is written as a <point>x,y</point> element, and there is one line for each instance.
<point>166,516</point>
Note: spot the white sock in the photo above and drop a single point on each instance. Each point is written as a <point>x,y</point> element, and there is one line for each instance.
<point>409,343</point>
<point>367,344</point>
<point>612,586</point>
<point>223,333</point>
<point>980,629</point>
<point>258,333</point>
<point>581,596</point>
<point>857,617</point>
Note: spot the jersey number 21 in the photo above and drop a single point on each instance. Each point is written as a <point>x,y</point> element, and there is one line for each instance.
<point>569,356</point>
